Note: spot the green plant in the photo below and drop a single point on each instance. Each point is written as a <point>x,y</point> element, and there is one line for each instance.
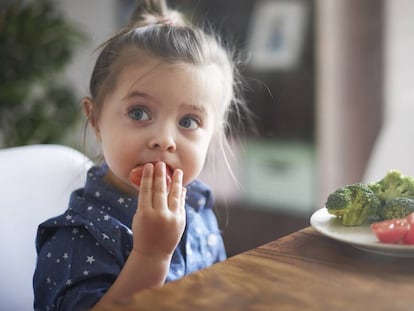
<point>37,105</point>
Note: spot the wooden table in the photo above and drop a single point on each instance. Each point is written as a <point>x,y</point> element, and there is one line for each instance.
<point>302,271</point>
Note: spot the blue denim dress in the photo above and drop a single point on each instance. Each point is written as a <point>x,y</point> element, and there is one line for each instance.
<point>81,252</point>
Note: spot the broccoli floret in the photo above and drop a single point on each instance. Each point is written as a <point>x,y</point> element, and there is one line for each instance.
<point>397,208</point>
<point>353,204</point>
<point>393,185</point>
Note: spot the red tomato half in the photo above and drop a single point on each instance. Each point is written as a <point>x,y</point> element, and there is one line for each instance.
<point>409,237</point>
<point>391,231</point>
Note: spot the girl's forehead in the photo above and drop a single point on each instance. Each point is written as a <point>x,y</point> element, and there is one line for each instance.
<point>202,84</point>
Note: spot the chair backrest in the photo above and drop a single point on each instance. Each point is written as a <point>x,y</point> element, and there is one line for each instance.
<point>35,184</point>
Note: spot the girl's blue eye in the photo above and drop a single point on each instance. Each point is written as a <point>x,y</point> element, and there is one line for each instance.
<point>138,113</point>
<point>190,122</point>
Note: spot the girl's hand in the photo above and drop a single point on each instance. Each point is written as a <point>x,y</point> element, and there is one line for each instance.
<point>159,221</point>
<point>157,226</point>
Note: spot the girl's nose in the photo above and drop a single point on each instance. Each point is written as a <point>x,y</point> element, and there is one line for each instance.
<point>163,141</point>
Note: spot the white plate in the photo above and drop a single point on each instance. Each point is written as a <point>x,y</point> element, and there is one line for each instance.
<point>360,237</point>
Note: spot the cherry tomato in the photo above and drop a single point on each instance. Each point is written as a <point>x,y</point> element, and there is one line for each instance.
<point>135,175</point>
<point>391,231</point>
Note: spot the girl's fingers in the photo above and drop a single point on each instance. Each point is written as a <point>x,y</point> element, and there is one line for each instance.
<point>145,192</point>
<point>183,197</point>
<point>160,185</point>
<point>154,192</point>
<point>175,200</point>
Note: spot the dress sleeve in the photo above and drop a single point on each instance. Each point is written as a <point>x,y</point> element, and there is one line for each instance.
<point>204,239</point>
<point>214,238</point>
<point>73,269</point>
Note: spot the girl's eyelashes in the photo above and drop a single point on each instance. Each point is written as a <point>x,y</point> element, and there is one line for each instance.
<point>190,122</point>
<point>138,113</point>
<point>141,113</point>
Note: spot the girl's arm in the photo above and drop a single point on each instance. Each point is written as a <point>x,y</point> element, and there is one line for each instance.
<point>157,228</point>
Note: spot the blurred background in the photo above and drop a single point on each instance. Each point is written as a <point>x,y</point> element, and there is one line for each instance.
<point>329,82</point>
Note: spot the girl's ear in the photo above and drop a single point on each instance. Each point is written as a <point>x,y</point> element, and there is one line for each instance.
<point>90,113</point>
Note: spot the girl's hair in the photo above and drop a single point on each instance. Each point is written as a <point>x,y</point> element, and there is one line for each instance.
<point>162,32</point>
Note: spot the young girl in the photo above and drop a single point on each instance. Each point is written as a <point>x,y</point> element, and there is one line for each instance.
<point>161,92</point>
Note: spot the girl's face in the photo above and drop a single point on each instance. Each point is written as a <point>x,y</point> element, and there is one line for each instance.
<point>157,112</point>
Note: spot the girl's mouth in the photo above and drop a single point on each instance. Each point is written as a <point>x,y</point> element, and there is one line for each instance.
<point>135,176</point>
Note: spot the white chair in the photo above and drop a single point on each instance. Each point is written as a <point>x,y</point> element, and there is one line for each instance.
<point>35,184</point>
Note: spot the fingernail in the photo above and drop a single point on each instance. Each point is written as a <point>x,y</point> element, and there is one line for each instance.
<point>161,165</point>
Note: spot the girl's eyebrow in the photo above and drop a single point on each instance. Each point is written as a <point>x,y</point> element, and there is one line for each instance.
<point>133,94</point>
<point>137,94</point>
<point>198,108</point>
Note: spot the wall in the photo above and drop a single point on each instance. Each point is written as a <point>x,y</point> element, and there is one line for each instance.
<point>394,148</point>
<point>349,88</point>
<point>98,19</point>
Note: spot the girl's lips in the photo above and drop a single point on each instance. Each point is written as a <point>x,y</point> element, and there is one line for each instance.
<point>135,176</point>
